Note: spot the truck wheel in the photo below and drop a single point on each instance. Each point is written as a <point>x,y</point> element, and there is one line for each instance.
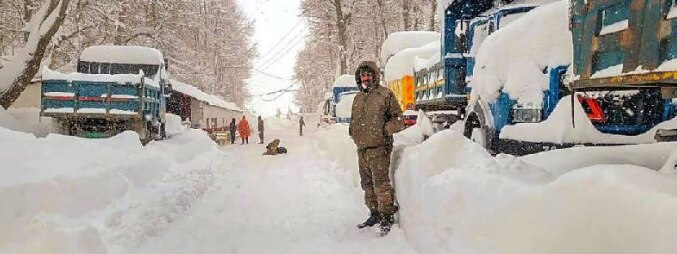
<point>141,128</point>
<point>475,130</point>
<point>163,131</point>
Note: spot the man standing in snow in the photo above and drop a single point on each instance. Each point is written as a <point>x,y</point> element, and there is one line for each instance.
<point>232,128</point>
<point>301,124</point>
<point>376,116</point>
<point>260,130</point>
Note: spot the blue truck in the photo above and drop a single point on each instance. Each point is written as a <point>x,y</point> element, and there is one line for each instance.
<point>115,89</point>
<point>343,85</point>
<point>622,75</point>
<point>447,85</point>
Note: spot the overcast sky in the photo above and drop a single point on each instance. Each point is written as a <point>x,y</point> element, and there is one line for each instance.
<point>280,35</point>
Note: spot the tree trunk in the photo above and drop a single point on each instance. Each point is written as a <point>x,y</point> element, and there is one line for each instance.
<point>32,62</point>
<point>341,27</point>
<point>406,15</point>
<point>433,4</point>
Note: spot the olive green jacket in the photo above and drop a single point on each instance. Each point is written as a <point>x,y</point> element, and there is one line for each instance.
<point>376,114</point>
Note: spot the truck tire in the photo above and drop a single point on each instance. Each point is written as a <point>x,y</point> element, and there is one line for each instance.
<point>163,131</point>
<point>141,127</point>
<point>476,130</point>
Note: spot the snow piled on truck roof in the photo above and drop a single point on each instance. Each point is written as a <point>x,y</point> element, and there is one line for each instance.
<point>48,74</point>
<point>202,96</point>
<point>399,41</point>
<point>514,58</point>
<point>403,63</point>
<point>122,55</point>
<point>345,80</point>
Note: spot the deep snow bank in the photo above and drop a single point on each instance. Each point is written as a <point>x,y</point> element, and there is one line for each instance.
<point>70,195</point>
<point>27,120</point>
<point>455,197</point>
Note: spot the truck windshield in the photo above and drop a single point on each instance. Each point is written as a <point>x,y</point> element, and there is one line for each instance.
<point>115,68</point>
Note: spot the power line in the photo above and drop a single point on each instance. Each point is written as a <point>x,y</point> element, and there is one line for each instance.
<point>271,75</point>
<point>283,37</point>
<point>284,90</point>
<point>284,44</point>
<point>274,57</point>
<point>282,53</point>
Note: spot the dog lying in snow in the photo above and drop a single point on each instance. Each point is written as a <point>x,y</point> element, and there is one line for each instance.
<point>274,148</point>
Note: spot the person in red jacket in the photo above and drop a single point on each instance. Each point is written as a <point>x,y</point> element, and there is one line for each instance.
<point>244,130</point>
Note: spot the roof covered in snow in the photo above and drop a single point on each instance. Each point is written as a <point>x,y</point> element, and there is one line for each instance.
<point>122,54</point>
<point>345,80</point>
<point>399,41</point>
<point>513,58</point>
<point>402,63</point>
<point>202,96</point>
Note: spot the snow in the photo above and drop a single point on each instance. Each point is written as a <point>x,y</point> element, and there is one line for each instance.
<point>48,74</point>
<point>416,133</point>
<point>345,80</point>
<point>118,112</point>
<point>27,120</point>
<point>426,63</point>
<point>37,27</point>
<point>670,65</point>
<point>513,58</point>
<point>58,94</point>
<point>456,197</point>
<point>184,195</point>
<point>402,63</point>
<point>615,27</point>
<point>122,54</point>
<point>558,129</point>
<point>302,202</point>
<point>131,191</point>
<point>121,96</point>
<point>345,106</point>
<point>202,96</point>
<point>174,125</point>
<point>59,110</point>
<point>608,72</point>
<point>673,12</point>
<point>399,41</point>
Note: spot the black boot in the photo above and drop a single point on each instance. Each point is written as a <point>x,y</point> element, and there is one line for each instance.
<point>386,223</point>
<point>374,218</point>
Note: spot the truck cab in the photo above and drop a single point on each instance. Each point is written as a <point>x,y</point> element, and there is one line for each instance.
<point>447,86</point>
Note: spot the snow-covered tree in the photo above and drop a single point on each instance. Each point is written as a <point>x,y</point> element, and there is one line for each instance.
<point>19,71</point>
<point>207,42</point>
<point>345,32</point>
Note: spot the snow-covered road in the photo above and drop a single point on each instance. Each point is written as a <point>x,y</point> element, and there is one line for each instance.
<point>300,202</point>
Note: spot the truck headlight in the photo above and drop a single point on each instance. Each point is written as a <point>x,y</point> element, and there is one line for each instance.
<point>526,115</point>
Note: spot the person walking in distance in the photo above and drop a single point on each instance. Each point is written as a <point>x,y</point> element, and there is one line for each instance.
<point>243,129</point>
<point>260,128</point>
<point>301,124</point>
<point>232,128</point>
<point>375,117</point>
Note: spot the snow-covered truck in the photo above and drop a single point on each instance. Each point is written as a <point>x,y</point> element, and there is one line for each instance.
<point>446,84</point>
<point>623,88</point>
<point>343,85</point>
<point>115,89</point>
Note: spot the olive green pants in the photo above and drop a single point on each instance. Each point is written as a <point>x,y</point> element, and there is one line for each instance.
<point>375,180</point>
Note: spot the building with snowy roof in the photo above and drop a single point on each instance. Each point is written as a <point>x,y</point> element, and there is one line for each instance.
<point>202,110</point>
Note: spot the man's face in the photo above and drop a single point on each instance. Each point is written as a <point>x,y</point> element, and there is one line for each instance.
<point>366,77</point>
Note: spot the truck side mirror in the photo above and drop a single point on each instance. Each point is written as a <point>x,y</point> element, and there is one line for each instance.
<point>166,64</point>
<point>168,89</point>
